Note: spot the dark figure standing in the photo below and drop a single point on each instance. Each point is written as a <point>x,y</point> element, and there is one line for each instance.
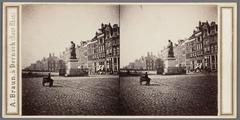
<point>146,75</point>
<point>49,75</point>
<point>145,78</point>
<point>48,79</point>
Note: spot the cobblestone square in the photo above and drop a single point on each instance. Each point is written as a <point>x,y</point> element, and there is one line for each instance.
<point>170,95</point>
<point>104,95</point>
<point>71,96</point>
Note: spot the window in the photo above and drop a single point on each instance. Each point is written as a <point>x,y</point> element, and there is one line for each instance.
<point>115,60</point>
<point>212,49</point>
<point>216,49</point>
<point>114,51</point>
<point>118,51</point>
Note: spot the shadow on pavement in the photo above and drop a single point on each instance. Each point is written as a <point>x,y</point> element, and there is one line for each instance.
<point>57,86</point>
<point>154,84</point>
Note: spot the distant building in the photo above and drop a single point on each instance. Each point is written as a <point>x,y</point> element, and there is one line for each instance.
<point>140,63</point>
<point>150,61</point>
<point>53,63</point>
<point>144,63</point>
<point>39,66</point>
<point>50,64</point>
<point>33,66</point>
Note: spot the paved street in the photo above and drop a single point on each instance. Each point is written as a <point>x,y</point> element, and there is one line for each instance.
<point>71,96</point>
<point>99,95</point>
<point>170,95</point>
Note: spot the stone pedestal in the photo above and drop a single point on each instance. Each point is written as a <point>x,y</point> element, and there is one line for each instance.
<point>170,66</point>
<point>72,68</point>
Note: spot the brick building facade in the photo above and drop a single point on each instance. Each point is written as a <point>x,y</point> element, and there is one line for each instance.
<point>202,47</point>
<point>104,50</point>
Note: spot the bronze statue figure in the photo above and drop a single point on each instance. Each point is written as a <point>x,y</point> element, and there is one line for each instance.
<point>73,51</point>
<point>170,49</point>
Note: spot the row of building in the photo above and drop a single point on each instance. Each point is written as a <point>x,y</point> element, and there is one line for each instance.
<point>149,62</point>
<point>101,53</point>
<point>202,47</point>
<point>104,50</point>
<point>196,53</point>
<point>144,62</point>
<point>50,64</point>
<point>98,55</point>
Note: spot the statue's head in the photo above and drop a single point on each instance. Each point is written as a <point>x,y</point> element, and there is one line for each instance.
<point>71,41</point>
<point>169,40</point>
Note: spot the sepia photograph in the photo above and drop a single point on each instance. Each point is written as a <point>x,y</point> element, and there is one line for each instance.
<point>70,59</point>
<point>172,67</point>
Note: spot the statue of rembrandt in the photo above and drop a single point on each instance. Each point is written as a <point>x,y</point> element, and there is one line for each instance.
<point>73,51</point>
<point>170,49</point>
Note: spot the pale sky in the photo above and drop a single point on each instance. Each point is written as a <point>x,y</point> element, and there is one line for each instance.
<point>50,28</point>
<point>148,27</point>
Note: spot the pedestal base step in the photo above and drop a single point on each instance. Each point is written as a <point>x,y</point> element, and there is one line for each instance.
<point>171,71</point>
<point>174,71</point>
<point>76,72</point>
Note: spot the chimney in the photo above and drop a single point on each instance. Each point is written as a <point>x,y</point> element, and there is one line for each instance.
<point>148,54</point>
<point>194,31</point>
<point>102,25</point>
